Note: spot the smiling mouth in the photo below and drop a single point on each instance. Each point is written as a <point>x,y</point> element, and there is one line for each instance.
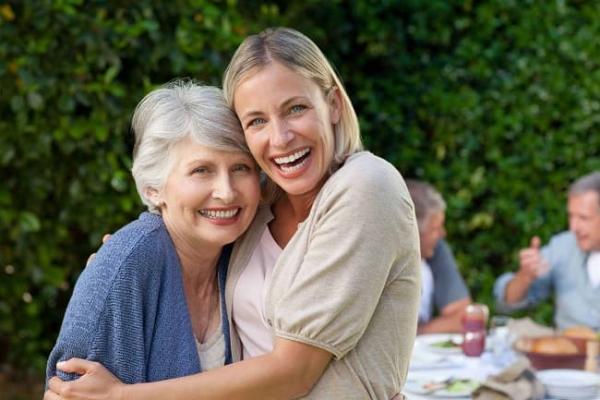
<point>220,214</point>
<point>294,161</point>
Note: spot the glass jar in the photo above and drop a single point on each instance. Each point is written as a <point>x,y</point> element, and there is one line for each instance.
<point>474,329</point>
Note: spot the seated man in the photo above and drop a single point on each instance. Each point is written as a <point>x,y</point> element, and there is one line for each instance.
<point>442,285</point>
<point>569,264</point>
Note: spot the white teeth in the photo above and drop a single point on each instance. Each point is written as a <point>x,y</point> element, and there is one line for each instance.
<point>292,168</point>
<point>292,157</point>
<point>220,213</point>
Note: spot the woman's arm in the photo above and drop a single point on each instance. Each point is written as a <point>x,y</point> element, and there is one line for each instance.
<point>288,372</point>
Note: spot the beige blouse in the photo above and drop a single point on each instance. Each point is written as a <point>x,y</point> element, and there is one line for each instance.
<point>348,281</point>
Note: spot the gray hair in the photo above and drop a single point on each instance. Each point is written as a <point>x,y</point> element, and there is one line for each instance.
<point>170,114</point>
<point>426,199</point>
<point>300,54</point>
<point>587,183</point>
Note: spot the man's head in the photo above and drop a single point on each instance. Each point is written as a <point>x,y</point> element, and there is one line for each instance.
<point>430,210</point>
<point>584,211</point>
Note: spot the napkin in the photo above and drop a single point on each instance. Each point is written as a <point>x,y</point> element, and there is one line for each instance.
<point>517,382</point>
<point>527,327</point>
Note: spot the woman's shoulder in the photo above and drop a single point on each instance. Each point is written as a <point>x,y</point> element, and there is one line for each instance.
<point>142,242</point>
<point>366,172</point>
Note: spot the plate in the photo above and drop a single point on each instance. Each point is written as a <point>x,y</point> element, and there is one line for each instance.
<point>568,378</point>
<point>425,360</point>
<point>570,384</point>
<point>457,387</point>
<point>440,343</point>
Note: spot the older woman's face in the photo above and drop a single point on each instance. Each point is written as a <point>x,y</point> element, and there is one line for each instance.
<point>210,196</point>
<point>285,118</point>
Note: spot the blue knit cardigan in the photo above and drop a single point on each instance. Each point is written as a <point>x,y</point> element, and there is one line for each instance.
<point>128,310</point>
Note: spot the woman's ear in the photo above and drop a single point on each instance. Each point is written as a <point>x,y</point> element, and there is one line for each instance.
<point>154,196</point>
<point>334,99</point>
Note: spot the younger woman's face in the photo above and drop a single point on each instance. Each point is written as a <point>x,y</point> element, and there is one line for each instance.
<point>285,118</point>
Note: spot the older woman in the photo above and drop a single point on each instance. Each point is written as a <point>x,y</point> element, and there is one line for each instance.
<point>150,305</point>
<point>324,287</point>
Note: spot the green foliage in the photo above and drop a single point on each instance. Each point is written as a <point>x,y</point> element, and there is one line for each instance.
<point>494,102</point>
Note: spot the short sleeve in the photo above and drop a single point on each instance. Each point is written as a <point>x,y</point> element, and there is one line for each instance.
<point>360,238</point>
<point>448,283</point>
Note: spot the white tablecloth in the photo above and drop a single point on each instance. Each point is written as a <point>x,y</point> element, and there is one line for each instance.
<point>439,364</point>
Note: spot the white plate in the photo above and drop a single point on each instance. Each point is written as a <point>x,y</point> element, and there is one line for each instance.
<point>570,384</point>
<point>420,387</point>
<point>425,360</point>
<point>568,378</point>
<point>431,343</point>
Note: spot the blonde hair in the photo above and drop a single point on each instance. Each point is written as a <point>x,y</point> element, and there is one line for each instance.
<point>169,115</point>
<point>300,54</point>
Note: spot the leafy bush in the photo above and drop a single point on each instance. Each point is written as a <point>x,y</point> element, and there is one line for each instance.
<point>494,102</point>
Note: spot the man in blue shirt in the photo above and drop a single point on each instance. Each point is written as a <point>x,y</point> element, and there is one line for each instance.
<point>569,265</point>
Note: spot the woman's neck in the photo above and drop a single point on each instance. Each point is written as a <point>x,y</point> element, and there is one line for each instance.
<point>289,211</point>
<point>199,269</point>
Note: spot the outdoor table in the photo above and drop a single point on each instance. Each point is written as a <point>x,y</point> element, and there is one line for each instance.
<point>437,364</point>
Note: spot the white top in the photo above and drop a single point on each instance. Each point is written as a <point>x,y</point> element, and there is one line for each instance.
<point>248,310</point>
<point>593,268</point>
<point>426,307</point>
<point>212,352</point>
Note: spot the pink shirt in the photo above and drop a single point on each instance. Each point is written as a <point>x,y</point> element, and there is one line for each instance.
<point>248,309</point>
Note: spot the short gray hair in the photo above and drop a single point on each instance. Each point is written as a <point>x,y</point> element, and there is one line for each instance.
<point>587,183</point>
<point>426,199</point>
<point>170,114</point>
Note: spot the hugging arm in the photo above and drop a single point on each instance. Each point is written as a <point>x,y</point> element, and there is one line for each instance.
<point>289,371</point>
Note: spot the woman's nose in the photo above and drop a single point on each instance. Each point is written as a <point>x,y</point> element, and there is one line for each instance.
<point>223,189</point>
<point>281,134</point>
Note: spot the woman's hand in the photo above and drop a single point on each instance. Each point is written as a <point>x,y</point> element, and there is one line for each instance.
<point>91,257</point>
<point>95,383</point>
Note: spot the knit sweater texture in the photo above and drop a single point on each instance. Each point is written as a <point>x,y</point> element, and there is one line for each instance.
<point>128,310</point>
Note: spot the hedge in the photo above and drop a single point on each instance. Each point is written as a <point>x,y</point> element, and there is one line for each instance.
<point>494,102</point>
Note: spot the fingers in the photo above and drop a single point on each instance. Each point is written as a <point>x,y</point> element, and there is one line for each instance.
<point>77,366</point>
<point>50,395</point>
<point>90,258</point>
<point>55,386</point>
<point>544,267</point>
<point>535,242</point>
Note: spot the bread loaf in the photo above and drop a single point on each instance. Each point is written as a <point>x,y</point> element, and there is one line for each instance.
<point>580,332</point>
<point>554,345</point>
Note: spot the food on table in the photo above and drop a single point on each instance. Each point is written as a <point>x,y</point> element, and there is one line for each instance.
<point>554,345</point>
<point>446,344</point>
<point>451,385</point>
<point>580,332</point>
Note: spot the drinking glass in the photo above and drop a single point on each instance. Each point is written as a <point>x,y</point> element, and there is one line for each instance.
<point>474,329</point>
<point>501,340</point>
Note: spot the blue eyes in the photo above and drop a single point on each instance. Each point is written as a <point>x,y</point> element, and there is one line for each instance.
<point>295,109</point>
<point>257,121</point>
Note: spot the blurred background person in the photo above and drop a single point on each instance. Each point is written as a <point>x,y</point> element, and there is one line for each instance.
<point>568,266</point>
<point>444,294</point>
